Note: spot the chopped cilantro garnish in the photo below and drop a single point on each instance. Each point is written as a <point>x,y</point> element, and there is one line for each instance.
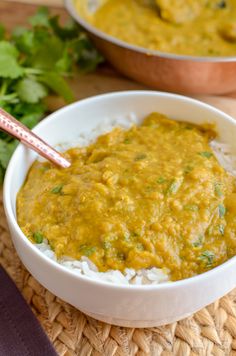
<point>140,246</point>
<point>127,141</point>
<point>221,4</point>
<point>161,180</point>
<point>191,207</point>
<point>173,187</point>
<point>207,257</point>
<point>87,250</point>
<point>38,237</point>
<point>149,189</point>
<point>140,156</point>
<point>221,229</point>
<point>222,210</point>
<point>106,245</point>
<point>57,189</point>
<point>126,237</point>
<point>188,169</point>
<point>209,230</point>
<point>218,190</point>
<point>188,127</point>
<point>44,168</point>
<point>121,256</point>
<point>198,242</point>
<point>206,154</point>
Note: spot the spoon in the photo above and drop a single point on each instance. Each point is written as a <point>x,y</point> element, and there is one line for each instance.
<point>16,129</point>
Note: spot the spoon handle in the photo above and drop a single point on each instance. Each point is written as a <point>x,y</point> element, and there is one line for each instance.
<point>16,129</point>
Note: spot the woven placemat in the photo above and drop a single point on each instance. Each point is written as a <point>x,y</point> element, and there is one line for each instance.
<point>211,331</point>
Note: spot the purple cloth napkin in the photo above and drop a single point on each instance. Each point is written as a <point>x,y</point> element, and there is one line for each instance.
<point>20,332</point>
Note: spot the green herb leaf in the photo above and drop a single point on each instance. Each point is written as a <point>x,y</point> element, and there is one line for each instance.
<point>87,250</point>
<point>2,171</point>
<point>208,258</point>
<point>24,40</point>
<point>188,169</point>
<point>206,154</point>
<point>64,64</point>
<point>33,62</point>
<point>127,238</point>
<point>221,4</point>
<point>189,127</point>
<point>6,150</point>
<point>9,67</point>
<point>41,18</point>
<point>191,207</point>
<point>161,180</point>
<point>30,90</point>
<point>87,56</point>
<point>218,190</point>
<point>174,187</point>
<point>221,229</point>
<point>47,54</point>
<point>121,256</point>
<point>30,114</point>
<point>222,210</point>
<point>140,156</point>
<point>55,82</point>
<point>38,237</point>
<point>199,241</point>
<point>107,245</point>
<point>8,49</point>
<point>210,230</point>
<point>127,141</point>
<point>149,189</point>
<point>57,189</point>
<point>69,31</point>
<point>140,246</point>
<point>2,32</point>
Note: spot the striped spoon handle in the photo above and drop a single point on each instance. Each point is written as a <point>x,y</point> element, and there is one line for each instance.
<point>16,129</point>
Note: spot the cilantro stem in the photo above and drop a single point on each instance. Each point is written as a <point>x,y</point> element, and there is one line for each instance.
<point>3,89</point>
<point>11,98</point>
<point>33,71</point>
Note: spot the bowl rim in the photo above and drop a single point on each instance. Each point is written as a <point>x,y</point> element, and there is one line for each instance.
<point>69,5</point>
<point>54,264</point>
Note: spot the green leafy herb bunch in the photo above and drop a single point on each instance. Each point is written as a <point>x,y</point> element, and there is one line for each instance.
<point>35,61</point>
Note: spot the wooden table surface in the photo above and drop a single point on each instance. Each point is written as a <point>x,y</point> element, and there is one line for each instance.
<point>104,79</point>
<point>58,3</point>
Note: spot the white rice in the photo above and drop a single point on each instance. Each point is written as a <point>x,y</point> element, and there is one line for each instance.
<point>130,276</point>
<point>86,267</point>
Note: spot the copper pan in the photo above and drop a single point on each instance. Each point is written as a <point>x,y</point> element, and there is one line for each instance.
<point>163,71</point>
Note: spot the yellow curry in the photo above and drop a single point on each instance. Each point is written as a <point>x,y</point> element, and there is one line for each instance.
<point>154,195</point>
<point>191,27</point>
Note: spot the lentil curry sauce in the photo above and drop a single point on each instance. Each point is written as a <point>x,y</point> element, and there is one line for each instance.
<point>154,195</point>
<point>190,27</point>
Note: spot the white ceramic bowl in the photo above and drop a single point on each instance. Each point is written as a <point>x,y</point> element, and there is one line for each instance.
<point>135,306</point>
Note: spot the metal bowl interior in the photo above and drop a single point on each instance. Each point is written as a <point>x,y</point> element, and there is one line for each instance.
<point>164,71</point>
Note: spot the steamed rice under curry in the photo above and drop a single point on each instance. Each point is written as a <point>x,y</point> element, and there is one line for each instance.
<point>151,196</point>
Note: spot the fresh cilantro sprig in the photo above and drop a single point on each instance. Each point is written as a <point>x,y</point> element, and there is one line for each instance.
<point>35,61</point>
